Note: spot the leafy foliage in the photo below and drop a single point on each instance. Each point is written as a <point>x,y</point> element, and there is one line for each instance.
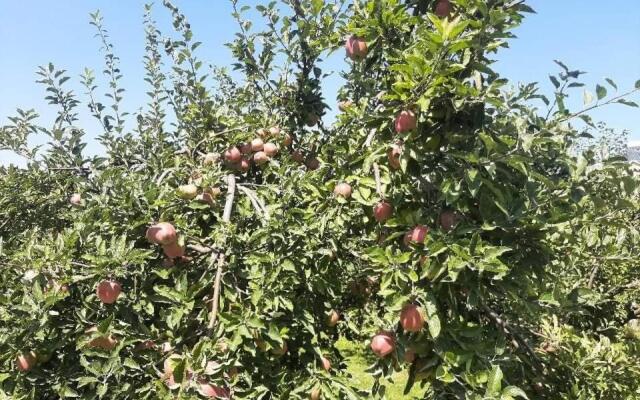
<point>526,276</point>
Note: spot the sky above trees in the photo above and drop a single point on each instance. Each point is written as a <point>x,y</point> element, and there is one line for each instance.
<point>600,38</point>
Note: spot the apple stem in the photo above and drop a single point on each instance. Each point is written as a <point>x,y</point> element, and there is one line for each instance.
<point>226,217</point>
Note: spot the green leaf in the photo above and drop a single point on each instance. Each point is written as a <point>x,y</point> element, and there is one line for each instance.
<point>513,392</point>
<point>494,384</point>
<point>601,92</point>
<point>612,83</point>
<point>555,81</point>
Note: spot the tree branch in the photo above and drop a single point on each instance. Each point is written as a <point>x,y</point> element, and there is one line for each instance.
<point>226,217</point>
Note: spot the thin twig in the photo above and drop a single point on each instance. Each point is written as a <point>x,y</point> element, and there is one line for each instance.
<point>518,340</point>
<point>376,175</point>
<point>592,277</point>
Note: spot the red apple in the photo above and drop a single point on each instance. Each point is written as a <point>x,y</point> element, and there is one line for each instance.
<point>394,154</point>
<point>411,318</point>
<point>257,145</point>
<point>173,250</point>
<point>448,220</point>
<point>356,48</point>
<point>288,139</point>
<point>108,291</point>
<point>382,211</point>
<point>326,363</point>
<point>213,391</point>
<point>297,156</point>
<point>342,189</point>
<point>245,148</point>
<point>162,233</point>
<point>187,192</point>
<point>232,155</point>
<point>333,318</point>
<point>260,158</point>
<point>315,393</point>
<point>313,163</point>
<point>416,235</point>
<point>262,132</point>
<point>443,8</point>
<point>101,342</point>
<point>405,121</point>
<point>271,149</point>
<point>76,199</point>
<point>274,130</point>
<point>26,361</point>
<point>244,165</point>
<point>383,344</point>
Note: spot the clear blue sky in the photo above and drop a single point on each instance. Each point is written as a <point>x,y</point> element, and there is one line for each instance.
<point>600,37</point>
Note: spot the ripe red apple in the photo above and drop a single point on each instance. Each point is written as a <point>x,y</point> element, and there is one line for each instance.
<point>342,189</point>
<point>280,351</point>
<point>271,149</point>
<point>162,233</point>
<point>26,361</point>
<point>274,130</point>
<point>443,8</point>
<point>244,165</point>
<point>211,158</point>
<point>356,48</point>
<point>383,344</point>
<point>260,158</point>
<point>411,318</point>
<point>313,163</point>
<point>315,393</point>
<point>405,121</point>
<point>394,154</point>
<point>416,235</point>
<point>101,342</point>
<point>288,139</point>
<point>187,192</point>
<point>326,363</point>
<point>382,211</point>
<point>333,318</point>
<point>146,345</point>
<point>232,155</point>
<point>257,145</point>
<point>448,220</point>
<point>213,391</point>
<point>245,148</point>
<point>76,199</point>
<point>262,132</point>
<point>345,105</point>
<point>297,156</point>
<point>173,250</point>
<point>108,291</point>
